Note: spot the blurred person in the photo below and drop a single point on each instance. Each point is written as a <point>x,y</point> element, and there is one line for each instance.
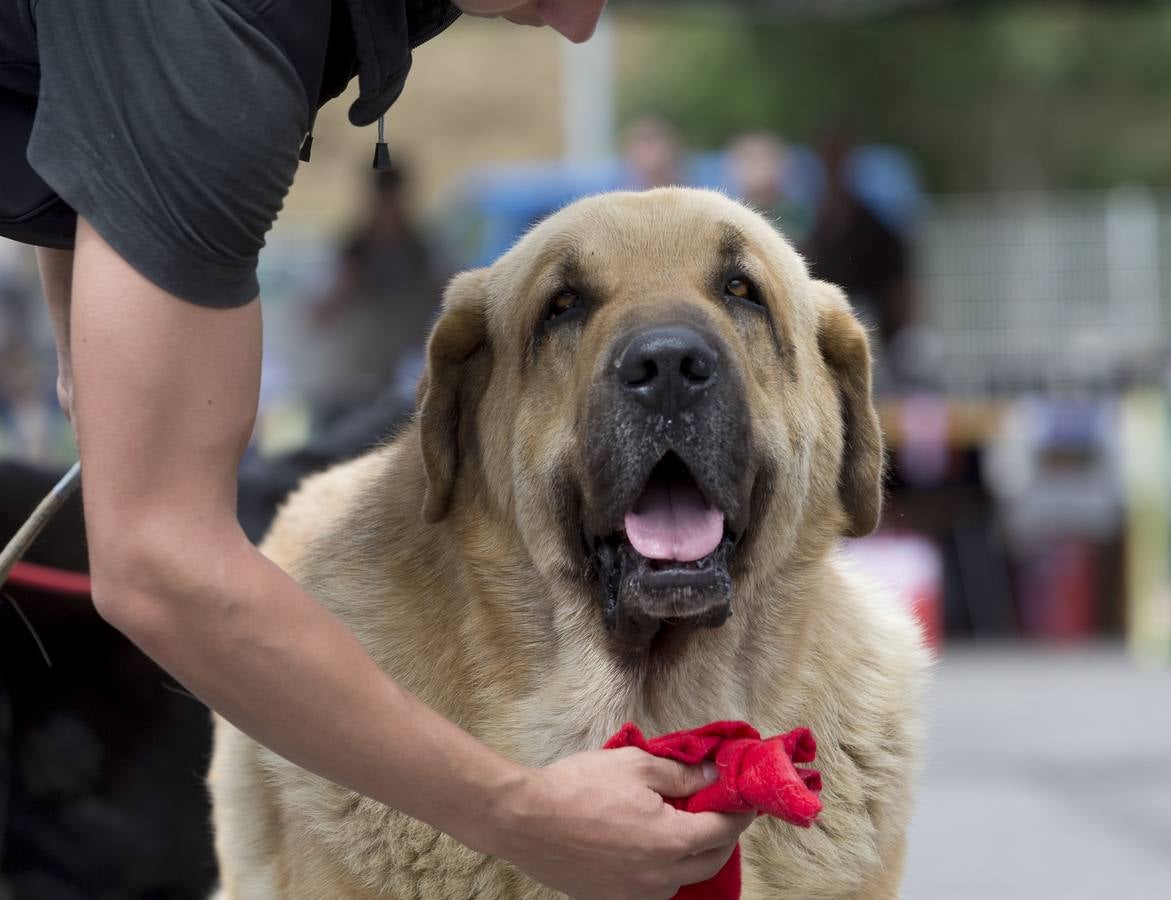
<point>652,154</point>
<point>759,171</point>
<point>372,320</point>
<point>26,418</point>
<point>147,148</point>
<point>29,423</point>
<point>852,247</point>
<point>651,157</point>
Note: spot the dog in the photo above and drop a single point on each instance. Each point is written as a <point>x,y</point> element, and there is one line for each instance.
<point>639,439</point>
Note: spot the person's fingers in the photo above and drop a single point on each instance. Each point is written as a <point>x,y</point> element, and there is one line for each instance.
<point>707,831</point>
<point>702,866</point>
<point>668,778</point>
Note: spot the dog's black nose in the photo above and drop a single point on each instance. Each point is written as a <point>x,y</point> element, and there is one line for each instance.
<point>668,369</point>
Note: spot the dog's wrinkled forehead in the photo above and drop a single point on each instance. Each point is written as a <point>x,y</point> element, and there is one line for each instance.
<point>639,244</point>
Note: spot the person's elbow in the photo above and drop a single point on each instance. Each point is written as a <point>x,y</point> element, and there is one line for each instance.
<point>147,582</point>
<point>128,574</point>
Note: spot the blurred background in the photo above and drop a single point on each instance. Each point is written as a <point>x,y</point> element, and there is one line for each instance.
<point>991,184</point>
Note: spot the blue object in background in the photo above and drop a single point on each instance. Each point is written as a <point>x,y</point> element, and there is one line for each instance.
<point>493,206</point>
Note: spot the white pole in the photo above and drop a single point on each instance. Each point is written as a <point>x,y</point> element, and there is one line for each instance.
<point>587,78</point>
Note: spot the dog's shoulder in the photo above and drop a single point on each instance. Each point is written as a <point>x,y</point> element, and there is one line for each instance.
<point>868,665</point>
<point>875,626</point>
<point>324,509</point>
<point>856,678</point>
<point>856,674</point>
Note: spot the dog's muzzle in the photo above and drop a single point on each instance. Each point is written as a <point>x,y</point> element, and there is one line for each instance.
<point>667,466</point>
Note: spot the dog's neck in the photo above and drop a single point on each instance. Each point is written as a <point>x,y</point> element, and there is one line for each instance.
<point>586,689</point>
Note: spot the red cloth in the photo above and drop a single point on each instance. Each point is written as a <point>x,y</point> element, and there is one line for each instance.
<point>754,774</point>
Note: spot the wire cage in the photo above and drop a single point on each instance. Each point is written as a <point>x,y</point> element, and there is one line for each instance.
<point>1067,291</point>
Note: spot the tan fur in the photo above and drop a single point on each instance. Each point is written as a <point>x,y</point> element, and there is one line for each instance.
<point>477,612</point>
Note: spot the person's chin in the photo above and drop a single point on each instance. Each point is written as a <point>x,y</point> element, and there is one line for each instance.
<point>527,15</point>
<point>506,8</point>
<point>575,24</point>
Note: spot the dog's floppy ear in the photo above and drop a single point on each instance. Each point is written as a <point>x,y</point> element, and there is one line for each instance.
<point>846,351</point>
<point>458,337</point>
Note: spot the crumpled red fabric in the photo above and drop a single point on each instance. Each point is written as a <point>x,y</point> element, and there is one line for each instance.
<point>754,774</point>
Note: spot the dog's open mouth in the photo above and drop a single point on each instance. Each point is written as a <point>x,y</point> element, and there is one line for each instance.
<point>671,521</point>
<point>668,568</point>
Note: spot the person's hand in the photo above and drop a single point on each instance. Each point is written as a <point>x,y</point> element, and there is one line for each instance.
<point>595,825</point>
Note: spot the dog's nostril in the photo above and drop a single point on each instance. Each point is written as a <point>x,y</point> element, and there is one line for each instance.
<point>697,368</point>
<point>641,372</point>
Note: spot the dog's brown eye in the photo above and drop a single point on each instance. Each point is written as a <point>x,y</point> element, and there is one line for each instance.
<point>561,303</point>
<point>741,289</point>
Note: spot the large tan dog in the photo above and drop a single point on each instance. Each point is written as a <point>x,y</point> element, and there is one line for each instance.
<point>641,434</point>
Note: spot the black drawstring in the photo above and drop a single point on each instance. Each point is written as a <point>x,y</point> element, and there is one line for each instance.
<point>307,144</point>
<point>381,153</point>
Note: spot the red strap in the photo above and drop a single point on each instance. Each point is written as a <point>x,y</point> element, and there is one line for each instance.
<point>50,580</point>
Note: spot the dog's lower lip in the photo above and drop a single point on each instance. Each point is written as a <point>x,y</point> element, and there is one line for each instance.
<point>638,594</point>
<point>670,573</point>
<point>678,577</point>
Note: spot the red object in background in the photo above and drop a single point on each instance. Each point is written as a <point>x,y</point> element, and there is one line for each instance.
<point>927,605</point>
<point>48,579</point>
<point>1059,591</point>
<point>754,774</point>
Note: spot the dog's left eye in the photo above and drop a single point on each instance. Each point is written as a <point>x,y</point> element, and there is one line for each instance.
<point>740,288</point>
<point>561,303</point>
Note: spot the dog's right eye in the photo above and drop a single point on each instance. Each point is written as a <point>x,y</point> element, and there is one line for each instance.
<point>741,288</point>
<point>562,303</point>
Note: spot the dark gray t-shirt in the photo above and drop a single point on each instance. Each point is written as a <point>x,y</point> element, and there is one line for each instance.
<point>173,128</point>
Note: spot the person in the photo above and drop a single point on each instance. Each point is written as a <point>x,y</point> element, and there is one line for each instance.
<point>652,154</point>
<point>760,171</point>
<point>850,246</point>
<point>146,147</point>
<point>367,330</point>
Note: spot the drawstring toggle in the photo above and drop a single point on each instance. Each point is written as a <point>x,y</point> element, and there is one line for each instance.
<point>381,152</point>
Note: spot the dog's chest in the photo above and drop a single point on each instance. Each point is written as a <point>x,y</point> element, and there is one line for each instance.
<point>553,724</point>
<point>578,709</point>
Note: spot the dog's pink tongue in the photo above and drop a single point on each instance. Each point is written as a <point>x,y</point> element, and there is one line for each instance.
<point>671,521</point>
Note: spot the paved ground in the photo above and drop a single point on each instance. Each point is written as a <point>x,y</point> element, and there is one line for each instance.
<point>1048,776</point>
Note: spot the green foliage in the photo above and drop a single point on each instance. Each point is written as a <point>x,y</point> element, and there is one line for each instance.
<point>984,95</point>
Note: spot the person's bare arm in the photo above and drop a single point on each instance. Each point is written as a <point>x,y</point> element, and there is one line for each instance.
<point>164,400</point>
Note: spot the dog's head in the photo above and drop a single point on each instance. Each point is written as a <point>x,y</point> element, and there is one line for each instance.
<point>650,389</point>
